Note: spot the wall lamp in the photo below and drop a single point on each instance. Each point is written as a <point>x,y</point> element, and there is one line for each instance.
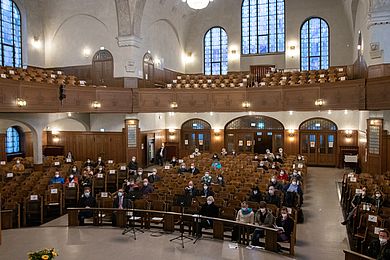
<point>291,132</point>
<point>217,132</point>
<point>319,102</point>
<point>96,104</point>
<point>246,104</point>
<point>348,133</point>
<point>173,105</point>
<point>20,102</point>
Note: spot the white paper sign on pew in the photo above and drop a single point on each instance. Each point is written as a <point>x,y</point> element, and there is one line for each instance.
<point>53,191</point>
<point>10,175</point>
<point>3,162</point>
<point>33,197</point>
<point>373,218</point>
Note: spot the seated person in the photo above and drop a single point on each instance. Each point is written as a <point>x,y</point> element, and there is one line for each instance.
<point>274,182</point>
<point>174,162</point>
<point>120,202</point>
<point>356,201</point>
<point>88,171</point>
<point>152,178</point>
<point>271,197</point>
<point>300,158</point>
<point>282,176</point>
<point>182,169</point>
<point>190,190</point>
<point>220,180</point>
<point>281,153</point>
<point>270,155</point>
<point>287,223</point>
<point>86,201</point>
<point>139,178</point>
<point>255,195</point>
<point>133,165</point>
<point>206,191</point>
<point>209,210</point>
<point>146,188</point>
<point>295,175</point>
<point>100,170</point>
<point>264,164</point>
<point>57,179</point>
<point>377,200</point>
<point>215,157</point>
<point>130,186</point>
<point>193,169</point>
<point>380,248</point>
<point>278,159</point>
<point>72,179</point>
<point>234,153</point>
<point>69,157</point>
<point>263,218</point>
<point>216,165</point>
<point>18,166</point>
<point>224,152</point>
<point>206,179</point>
<point>73,170</point>
<point>291,190</point>
<point>86,180</point>
<point>99,162</point>
<point>89,163</point>
<point>244,215</point>
<point>275,166</point>
<point>196,152</point>
<point>256,158</point>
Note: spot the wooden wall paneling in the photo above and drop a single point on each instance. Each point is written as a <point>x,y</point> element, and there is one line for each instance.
<point>268,100</point>
<point>217,141</point>
<point>378,94</point>
<point>82,72</point>
<point>349,95</point>
<point>153,100</point>
<point>3,154</point>
<point>345,141</point>
<point>300,98</point>
<point>379,70</point>
<point>115,100</point>
<point>228,101</point>
<point>28,144</point>
<point>291,143</point>
<point>386,154</point>
<point>191,101</point>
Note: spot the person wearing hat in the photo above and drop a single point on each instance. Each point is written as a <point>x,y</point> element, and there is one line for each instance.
<point>263,218</point>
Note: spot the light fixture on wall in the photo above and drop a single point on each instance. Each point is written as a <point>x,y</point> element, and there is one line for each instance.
<point>21,102</point>
<point>36,43</point>
<point>348,133</point>
<point>96,104</point>
<point>319,102</point>
<point>197,4</point>
<point>217,132</point>
<point>188,57</point>
<point>174,105</point>
<point>87,52</point>
<point>56,139</point>
<point>246,104</point>
<point>291,132</point>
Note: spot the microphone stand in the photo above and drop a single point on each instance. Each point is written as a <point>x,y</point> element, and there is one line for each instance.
<point>130,227</point>
<point>182,236</point>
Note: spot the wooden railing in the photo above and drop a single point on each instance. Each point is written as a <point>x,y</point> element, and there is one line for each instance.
<point>219,224</point>
<point>351,255</point>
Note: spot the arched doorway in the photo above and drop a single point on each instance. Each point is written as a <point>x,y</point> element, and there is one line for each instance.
<point>103,68</point>
<point>253,134</point>
<point>148,65</point>
<point>196,133</point>
<point>318,141</point>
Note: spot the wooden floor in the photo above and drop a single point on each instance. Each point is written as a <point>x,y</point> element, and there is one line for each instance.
<point>320,237</point>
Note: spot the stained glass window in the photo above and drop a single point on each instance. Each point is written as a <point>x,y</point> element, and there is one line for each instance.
<point>262,26</point>
<point>12,141</point>
<point>216,52</point>
<point>255,122</point>
<point>11,35</point>
<point>318,124</point>
<point>315,44</point>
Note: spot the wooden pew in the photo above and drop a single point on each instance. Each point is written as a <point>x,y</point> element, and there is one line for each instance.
<point>351,255</point>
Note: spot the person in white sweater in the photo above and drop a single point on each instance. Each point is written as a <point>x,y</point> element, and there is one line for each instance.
<point>244,215</point>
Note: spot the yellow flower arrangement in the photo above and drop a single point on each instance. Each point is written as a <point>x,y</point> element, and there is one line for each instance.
<point>44,254</point>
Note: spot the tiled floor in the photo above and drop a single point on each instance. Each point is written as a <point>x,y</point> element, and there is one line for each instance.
<point>320,237</point>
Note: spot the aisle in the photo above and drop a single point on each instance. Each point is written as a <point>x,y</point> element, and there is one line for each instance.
<point>321,236</point>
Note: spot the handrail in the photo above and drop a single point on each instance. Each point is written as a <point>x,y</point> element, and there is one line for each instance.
<point>351,255</point>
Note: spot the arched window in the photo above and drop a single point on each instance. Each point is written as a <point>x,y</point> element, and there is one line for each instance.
<point>11,36</point>
<point>215,51</point>
<point>12,141</point>
<point>318,124</point>
<point>196,133</point>
<point>262,26</point>
<point>315,44</point>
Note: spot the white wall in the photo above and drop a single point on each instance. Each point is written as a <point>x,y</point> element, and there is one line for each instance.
<point>108,122</point>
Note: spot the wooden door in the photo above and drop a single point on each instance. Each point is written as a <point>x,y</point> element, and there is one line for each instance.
<point>245,142</point>
<point>308,147</point>
<point>103,68</point>
<point>319,148</point>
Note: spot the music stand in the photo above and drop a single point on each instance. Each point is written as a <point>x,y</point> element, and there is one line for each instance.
<point>182,201</point>
<point>130,226</point>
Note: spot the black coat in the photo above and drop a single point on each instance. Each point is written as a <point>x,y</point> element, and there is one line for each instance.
<point>191,192</point>
<point>376,251</point>
<point>193,171</point>
<point>287,224</point>
<point>87,202</point>
<point>125,203</point>
<point>206,193</point>
<point>209,210</point>
<point>133,166</point>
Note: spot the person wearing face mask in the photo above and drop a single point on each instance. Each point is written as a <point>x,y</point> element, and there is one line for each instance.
<point>281,153</point>
<point>356,201</point>
<point>89,163</point>
<point>196,153</point>
<point>215,157</point>
<point>174,162</point>
<point>272,197</point>
<point>18,166</point>
<point>274,182</point>
<point>271,156</point>
<point>193,169</point>
<point>153,177</point>
<point>295,175</point>
<point>264,218</point>
<point>190,190</point>
<point>146,188</point>
<point>293,190</point>
<point>86,201</point>
<point>224,152</point>
<point>380,248</point>
<point>182,169</point>
<point>71,179</point>
<point>120,202</point>
<point>220,180</point>
<point>73,170</point>
<point>377,201</point>
<point>209,209</point>
<point>278,159</point>
<point>69,157</point>
<point>86,178</point>
<point>161,155</point>
<point>256,158</point>
<point>216,165</point>
<point>255,195</point>
<point>206,179</point>
<point>133,165</point>
<point>206,191</point>
<point>244,215</point>
<point>139,177</point>
<point>57,179</point>
<point>130,186</point>
<point>287,223</point>
<point>282,176</point>
<point>100,163</point>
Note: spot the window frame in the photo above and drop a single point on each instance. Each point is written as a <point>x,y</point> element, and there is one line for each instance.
<point>268,35</point>
<point>221,60</point>
<point>2,44</point>
<point>300,42</point>
<point>19,141</point>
